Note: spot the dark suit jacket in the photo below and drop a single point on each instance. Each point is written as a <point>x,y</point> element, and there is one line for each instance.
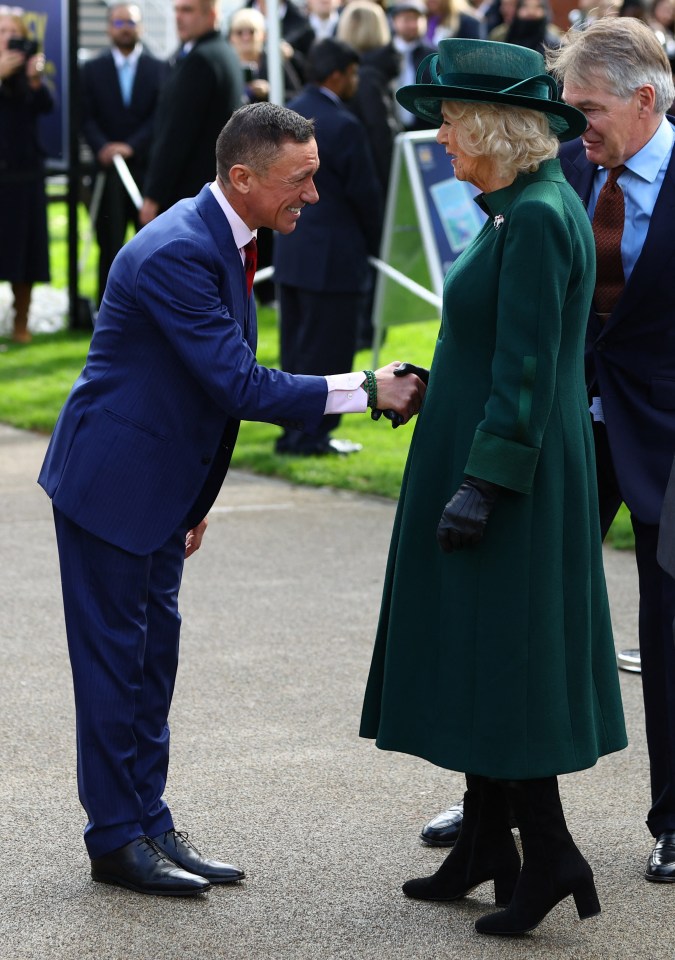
<point>631,358</point>
<point>105,117</point>
<point>666,546</point>
<point>329,250</point>
<point>198,99</point>
<point>145,437</point>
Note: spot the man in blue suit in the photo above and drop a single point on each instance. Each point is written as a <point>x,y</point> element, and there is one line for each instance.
<point>137,457</point>
<point>322,270</point>
<point>617,73</point>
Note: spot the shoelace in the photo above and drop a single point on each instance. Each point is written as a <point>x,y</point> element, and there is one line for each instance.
<point>158,854</point>
<point>183,837</point>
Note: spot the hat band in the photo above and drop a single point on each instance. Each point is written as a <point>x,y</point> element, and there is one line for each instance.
<point>541,86</point>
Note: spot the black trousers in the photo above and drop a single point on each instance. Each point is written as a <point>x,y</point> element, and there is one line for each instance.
<point>318,334</point>
<point>115,214</point>
<point>657,648</point>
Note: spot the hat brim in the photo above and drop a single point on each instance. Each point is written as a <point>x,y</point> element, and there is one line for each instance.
<point>425,101</point>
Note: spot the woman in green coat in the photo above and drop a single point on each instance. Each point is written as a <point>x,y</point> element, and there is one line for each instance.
<point>494,653</point>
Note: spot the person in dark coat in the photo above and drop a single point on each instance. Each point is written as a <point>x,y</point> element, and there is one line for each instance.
<point>322,271</point>
<point>363,25</point>
<point>204,89</point>
<point>117,118</point>
<point>630,346</point>
<point>494,652</point>
<point>24,250</point>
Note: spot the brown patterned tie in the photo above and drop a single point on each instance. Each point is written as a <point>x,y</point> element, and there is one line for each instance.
<point>250,262</point>
<point>608,229</point>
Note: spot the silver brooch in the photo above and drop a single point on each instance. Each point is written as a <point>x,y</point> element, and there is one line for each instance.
<point>498,221</point>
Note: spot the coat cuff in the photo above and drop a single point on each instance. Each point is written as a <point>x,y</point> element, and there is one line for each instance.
<point>502,461</point>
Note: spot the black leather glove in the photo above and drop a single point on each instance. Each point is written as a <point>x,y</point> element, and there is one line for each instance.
<point>464,518</point>
<point>401,371</point>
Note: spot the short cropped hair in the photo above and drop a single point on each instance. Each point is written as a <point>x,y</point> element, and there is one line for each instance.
<point>621,52</point>
<point>254,134</point>
<point>327,56</point>
<point>516,140</point>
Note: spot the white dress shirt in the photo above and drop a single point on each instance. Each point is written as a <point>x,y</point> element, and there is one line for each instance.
<point>345,390</point>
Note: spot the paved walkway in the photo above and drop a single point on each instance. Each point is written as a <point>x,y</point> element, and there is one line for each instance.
<point>267,768</point>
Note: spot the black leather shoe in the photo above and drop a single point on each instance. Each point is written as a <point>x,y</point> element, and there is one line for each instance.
<point>661,865</point>
<point>177,846</point>
<point>444,829</point>
<point>143,867</point>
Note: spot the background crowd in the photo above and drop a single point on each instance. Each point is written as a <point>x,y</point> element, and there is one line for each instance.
<point>130,99</point>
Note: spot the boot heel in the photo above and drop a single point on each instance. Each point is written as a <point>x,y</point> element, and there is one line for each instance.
<point>586,900</point>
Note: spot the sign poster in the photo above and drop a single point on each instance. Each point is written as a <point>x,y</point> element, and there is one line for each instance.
<point>47,23</point>
<point>431,217</point>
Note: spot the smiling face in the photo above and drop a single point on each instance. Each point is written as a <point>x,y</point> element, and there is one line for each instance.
<point>275,198</point>
<point>617,127</point>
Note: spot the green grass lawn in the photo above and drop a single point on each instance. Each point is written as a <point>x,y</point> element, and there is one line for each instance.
<point>35,380</point>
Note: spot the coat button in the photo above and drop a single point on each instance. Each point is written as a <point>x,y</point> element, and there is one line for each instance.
<point>206,461</point>
<point>600,345</point>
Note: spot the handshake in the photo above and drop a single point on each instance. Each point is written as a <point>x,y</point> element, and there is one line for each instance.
<point>396,391</point>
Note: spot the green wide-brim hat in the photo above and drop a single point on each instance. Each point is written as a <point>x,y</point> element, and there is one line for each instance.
<point>486,71</point>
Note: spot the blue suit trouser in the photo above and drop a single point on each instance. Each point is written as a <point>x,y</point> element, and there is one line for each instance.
<point>657,648</point>
<point>123,629</point>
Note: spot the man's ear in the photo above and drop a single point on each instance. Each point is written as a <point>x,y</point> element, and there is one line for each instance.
<point>240,177</point>
<point>646,97</point>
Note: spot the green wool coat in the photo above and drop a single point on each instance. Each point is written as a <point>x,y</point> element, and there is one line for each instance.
<point>498,659</point>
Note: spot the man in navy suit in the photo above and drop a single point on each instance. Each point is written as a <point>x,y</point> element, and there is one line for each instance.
<point>137,457</point>
<point>617,73</point>
<point>322,270</point>
<point>119,90</point>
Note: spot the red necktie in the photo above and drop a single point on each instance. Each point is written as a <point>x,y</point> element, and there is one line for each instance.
<point>608,229</point>
<point>250,262</point>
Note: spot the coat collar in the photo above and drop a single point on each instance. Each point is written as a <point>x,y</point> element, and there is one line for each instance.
<point>498,201</point>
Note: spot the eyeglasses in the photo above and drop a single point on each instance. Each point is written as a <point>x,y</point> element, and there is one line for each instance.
<point>123,23</point>
<point>244,31</point>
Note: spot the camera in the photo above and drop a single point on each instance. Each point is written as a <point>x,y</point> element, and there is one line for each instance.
<point>28,47</point>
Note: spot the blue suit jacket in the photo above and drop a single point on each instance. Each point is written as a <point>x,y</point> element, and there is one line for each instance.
<point>146,435</point>
<point>328,253</point>
<point>631,358</point>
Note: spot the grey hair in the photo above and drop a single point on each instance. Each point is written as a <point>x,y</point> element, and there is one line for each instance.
<point>517,140</point>
<point>254,133</point>
<point>621,52</point>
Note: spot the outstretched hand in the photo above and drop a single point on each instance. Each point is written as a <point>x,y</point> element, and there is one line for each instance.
<point>398,394</point>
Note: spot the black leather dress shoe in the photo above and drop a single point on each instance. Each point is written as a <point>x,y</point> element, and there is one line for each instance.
<point>143,867</point>
<point>177,846</point>
<point>444,829</point>
<point>661,865</point>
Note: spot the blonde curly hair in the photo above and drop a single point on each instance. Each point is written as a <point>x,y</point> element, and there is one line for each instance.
<point>516,139</point>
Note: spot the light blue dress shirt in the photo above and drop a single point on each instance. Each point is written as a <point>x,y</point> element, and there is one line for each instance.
<point>640,181</point>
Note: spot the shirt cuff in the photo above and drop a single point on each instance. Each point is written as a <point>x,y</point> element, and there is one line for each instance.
<point>346,394</point>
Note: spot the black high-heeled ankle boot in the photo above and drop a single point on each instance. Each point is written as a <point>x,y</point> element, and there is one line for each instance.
<point>485,850</point>
<point>553,867</point>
